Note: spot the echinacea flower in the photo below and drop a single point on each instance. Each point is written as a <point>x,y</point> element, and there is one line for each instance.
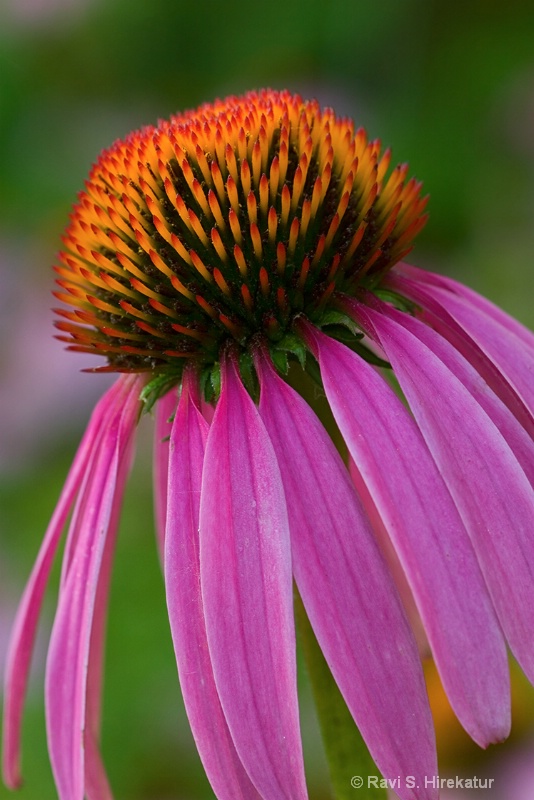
<point>211,260</point>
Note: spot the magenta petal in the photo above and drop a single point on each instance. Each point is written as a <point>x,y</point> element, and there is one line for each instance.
<point>165,408</point>
<point>182,581</point>
<point>23,634</point>
<point>80,507</point>
<point>246,584</point>
<point>348,592</point>
<point>505,349</point>
<point>429,537</point>
<point>69,655</point>
<point>475,299</point>
<point>391,558</point>
<point>435,314</point>
<point>96,781</point>
<point>502,413</point>
<point>490,489</point>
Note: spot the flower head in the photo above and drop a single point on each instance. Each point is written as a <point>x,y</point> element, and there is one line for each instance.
<point>224,224</point>
<point>211,253</point>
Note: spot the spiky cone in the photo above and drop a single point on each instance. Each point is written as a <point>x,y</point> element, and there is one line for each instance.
<point>223,224</point>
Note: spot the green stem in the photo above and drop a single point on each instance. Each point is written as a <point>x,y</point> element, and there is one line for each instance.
<point>347,754</point>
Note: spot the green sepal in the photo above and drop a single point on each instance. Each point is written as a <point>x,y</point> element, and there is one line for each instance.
<point>280,360</point>
<point>346,752</point>
<point>210,382</point>
<point>157,387</point>
<point>396,300</point>
<point>249,376</point>
<point>292,345</point>
<point>341,334</point>
<point>343,329</point>
<point>368,355</point>
<point>206,388</point>
<point>338,319</point>
<point>215,380</point>
<point>313,370</point>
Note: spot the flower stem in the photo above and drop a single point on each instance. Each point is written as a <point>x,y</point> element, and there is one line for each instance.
<point>348,757</point>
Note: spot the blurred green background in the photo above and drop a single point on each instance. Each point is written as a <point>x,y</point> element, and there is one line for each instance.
<point>449,84</point>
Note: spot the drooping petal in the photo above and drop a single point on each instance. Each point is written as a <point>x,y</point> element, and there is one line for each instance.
<point>348,592</point>
<point>505,349</point>
<point>246,582</point>
<point>69,653</point>
<point>182,582</point>
<point>429,537</point>
<point>491,491</point>
<point>165,408</point>
<point>477,300</point>
<point>80,507</point>
<point>64,696</point>
<point>477,373</point>
<point>23,634</point>
<point>435,314</point>
<point>96,781</point>
<point>391,558</point>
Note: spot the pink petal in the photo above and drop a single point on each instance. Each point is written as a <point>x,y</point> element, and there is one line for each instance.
<point>23,634</point>
<point>123,386</point>
<point>64,696</point>
<point>182,580</point>
<point>246,582</point>
<point>486,481</point>
<point>348,592</point>
<point>429,537</point>
<point>392,560</point>
<point>475,299</point>
<point>165,408</point>
<point>96,781</point>
<point>505,349</point>
<point>69,654</point>
<point>435,314</point>
<point>504,413</point>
